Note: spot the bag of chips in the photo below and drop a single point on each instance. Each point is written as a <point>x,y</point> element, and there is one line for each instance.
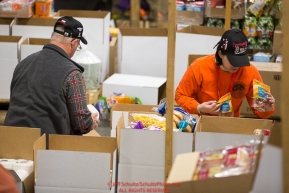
<point>260,91</point>
<point>226,107</point>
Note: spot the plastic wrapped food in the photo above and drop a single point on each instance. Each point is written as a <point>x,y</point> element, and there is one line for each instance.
<point>226,107</point>
<point>260,91</point>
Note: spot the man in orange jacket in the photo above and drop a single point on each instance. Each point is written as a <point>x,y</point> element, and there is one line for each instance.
<point>210,77</point>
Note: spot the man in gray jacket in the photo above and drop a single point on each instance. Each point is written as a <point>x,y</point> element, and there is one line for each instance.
<point>48,90</point>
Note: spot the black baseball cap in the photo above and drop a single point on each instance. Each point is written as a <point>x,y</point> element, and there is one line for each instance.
<point>72,28</point>
<point>234,45</point>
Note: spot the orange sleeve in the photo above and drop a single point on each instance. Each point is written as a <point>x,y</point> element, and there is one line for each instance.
<point>187,89</point>
<point>250,99</point>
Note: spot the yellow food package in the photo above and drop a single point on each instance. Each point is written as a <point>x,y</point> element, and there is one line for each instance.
<point>227,107</point>
<point>260,91</point>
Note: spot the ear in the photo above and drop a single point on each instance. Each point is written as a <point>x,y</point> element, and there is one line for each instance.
<point>220,54</point>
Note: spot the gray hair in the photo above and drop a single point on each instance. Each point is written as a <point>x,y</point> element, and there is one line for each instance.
<point>59,37</point>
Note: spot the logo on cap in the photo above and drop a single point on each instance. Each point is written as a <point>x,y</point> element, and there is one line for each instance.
<point>240,48</point>
<point>63,22</point>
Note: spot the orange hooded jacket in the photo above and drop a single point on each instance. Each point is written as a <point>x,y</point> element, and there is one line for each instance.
<point>199,84</point>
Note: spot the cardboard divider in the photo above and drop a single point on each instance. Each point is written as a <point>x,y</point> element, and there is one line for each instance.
<point>32,45</point>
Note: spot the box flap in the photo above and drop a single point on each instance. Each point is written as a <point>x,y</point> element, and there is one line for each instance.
<point>119,126</point>
<point>189,17</point>
<point>267,66</point>
<point>203,30</point>
<point>92,133</point>
<point>18,142</point>
<point>7,21</point>
<point>143,32</point>
<point>183,167</point>
<point>36,21</point>
<point>40,144</point>
<point>15,39</point>
<point>38,41</point>
<point>275,135</point>
<point>29,183</point>
<point>81,13</point>
<point>233,124</point>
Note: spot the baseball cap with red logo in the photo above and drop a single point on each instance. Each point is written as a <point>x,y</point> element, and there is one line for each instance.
<point>234,44</point>
<point>72,28</point>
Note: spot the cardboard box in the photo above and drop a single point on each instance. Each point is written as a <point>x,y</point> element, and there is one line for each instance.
<point>119,109</point>
<point>189,17</point>
<point>32,45</point>
<point>213,132</point>
<point>191,37</point>
<point>149,89</point>
<point>5,26</point>
<point>22,11</point>
<point>136,146</point>
<point>268,178</point>
<point>10,46</point>
<point>90,157</point>
<point>142,51</point>
<point>21,143</point>
<point>271,75</point>
<point>96,32</point>
<point>180,178</point>
<point>33,27</point>
<point>44,8</point>
<point>277,41</point>
<point>221,13</point>
<point>112,56</point>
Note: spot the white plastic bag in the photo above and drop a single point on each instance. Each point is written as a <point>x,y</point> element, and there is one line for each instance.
<point>92,67</point>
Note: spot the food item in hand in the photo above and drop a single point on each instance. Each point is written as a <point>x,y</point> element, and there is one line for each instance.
<point>260,91</point>
<point>226,107</point>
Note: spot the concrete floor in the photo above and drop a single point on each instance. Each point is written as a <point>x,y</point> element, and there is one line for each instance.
<point>104,128</point>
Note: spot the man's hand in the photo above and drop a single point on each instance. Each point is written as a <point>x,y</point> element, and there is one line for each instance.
<point>210,107</point>
<point>95,119</point>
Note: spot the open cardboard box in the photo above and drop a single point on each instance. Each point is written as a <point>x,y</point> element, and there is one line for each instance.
<point>142,51</point>
<point>192,36</point>
<point>32,45</point>
<point>96,31</point>
<point>77,164</point>
<point>149,89</point>
<point>121,108</point>
<point>213,132</point>
<point>21,143</point>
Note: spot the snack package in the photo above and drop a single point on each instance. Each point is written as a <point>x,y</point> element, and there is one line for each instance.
<point>184,121</point>
<point>149,121</point>
<point>260,91</point>
<point>257,7</point>
<point>226,108</point>
<point>250,26</point>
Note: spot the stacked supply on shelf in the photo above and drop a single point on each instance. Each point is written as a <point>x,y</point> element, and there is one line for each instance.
<point>259,26</point>
<point>215,13</point>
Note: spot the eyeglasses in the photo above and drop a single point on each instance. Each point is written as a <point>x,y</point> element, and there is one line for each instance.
<point>79,46</point>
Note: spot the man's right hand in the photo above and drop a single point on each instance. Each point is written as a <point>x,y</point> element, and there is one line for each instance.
<point>210,107</point>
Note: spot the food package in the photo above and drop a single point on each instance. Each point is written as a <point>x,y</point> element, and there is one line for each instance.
<point>260,91</point>
<point>226,109</point>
